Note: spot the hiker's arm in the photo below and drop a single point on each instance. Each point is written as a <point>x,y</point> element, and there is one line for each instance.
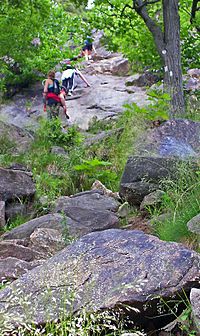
<point>45,88</point>
<point>83,78</point>
<point>93,49</point>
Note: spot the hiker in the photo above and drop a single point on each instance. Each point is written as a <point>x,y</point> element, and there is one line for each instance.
<point>54,97</point>
<point>88,48</point>
<point>68,78</point>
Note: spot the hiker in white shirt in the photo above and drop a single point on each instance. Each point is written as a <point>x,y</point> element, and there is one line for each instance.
<point>68,78</point>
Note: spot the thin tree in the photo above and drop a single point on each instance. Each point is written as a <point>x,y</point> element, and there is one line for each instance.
<point>167,42</point>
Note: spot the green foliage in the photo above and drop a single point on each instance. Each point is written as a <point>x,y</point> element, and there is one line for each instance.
<point>125,31</point>
<point>190,37</point>
<point>182,203</point>
<point>6,144</point>
<point>52,133</point>
<point>32,37</point>
<point>95,169</point>
<point>181,309</point>
<point>18,220</point>
<point>159,109</point>
<point>83,324</point>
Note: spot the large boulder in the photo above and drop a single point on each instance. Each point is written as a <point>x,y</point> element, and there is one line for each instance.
<point>102,270</point>
<point>146,79</point>
<point>73,216</point>
<point>174,138</point>
<point>143,175</point>
<point>15,138</point>
<point>16,184</point>
<point>117,65</point>
<point>93,200</point>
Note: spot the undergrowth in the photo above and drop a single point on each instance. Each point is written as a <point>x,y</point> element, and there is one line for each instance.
<point>181,203</point>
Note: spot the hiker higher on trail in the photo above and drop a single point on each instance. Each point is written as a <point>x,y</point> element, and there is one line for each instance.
<point>88,48</point>
<point>68,78</point>
<point>53,96</point>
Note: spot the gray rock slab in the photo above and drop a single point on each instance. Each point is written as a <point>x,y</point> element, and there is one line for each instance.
<point>9,248</point>
<point>92,200</point>
<point>15,184</point>
<point>102,270</point>
<point>143,175</point>
<point>174,138</point>
<point>89,220</point>
<point>47,242</point>
<point>52,221</point>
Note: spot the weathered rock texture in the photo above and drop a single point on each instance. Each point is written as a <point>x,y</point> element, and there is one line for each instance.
<point>15,184</point>
<point>194,224</point>
<point>174,138</point>
<point>40,238</point>
<point>19,140</point>
<point>102,270</point>
<point>143,175</point>
<point>195,302</point>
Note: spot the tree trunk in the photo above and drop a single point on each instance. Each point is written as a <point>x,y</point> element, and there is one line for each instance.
<point>168,46</point>
<point>172,57</point>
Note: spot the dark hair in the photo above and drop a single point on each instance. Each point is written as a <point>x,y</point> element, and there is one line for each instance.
<point>64,88</point>
<point>68,66</point>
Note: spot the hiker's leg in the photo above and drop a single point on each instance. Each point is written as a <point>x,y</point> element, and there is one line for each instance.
<point>55,110</point>
<point>49,112</point>
<point>89,54</point>
<point>86,54</point>
<point>71,83</point>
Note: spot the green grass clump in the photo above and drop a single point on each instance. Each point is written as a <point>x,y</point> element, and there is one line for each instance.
<point>182,203</point>
<point>6,144</point>
<point>82,324</point>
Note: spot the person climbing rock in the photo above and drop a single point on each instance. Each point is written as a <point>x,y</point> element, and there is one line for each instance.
<point>68,76</point>
<point>88,48</point>
<point>54,97</point>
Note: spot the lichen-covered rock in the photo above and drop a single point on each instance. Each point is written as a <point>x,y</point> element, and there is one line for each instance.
<point>102,270</point>
<point>12,268</point>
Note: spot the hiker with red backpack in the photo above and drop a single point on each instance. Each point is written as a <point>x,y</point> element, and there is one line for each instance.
<point>54,97</point>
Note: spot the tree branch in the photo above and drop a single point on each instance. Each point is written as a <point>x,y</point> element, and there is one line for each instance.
<point>146,3</point>
<point>194,9</point>
<point>154,28</point>
<point>123,10</point>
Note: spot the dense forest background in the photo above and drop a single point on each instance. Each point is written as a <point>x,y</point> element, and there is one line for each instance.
<point>35,35</point>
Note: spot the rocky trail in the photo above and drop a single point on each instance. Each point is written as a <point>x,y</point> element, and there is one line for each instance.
<point>104,99</point>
